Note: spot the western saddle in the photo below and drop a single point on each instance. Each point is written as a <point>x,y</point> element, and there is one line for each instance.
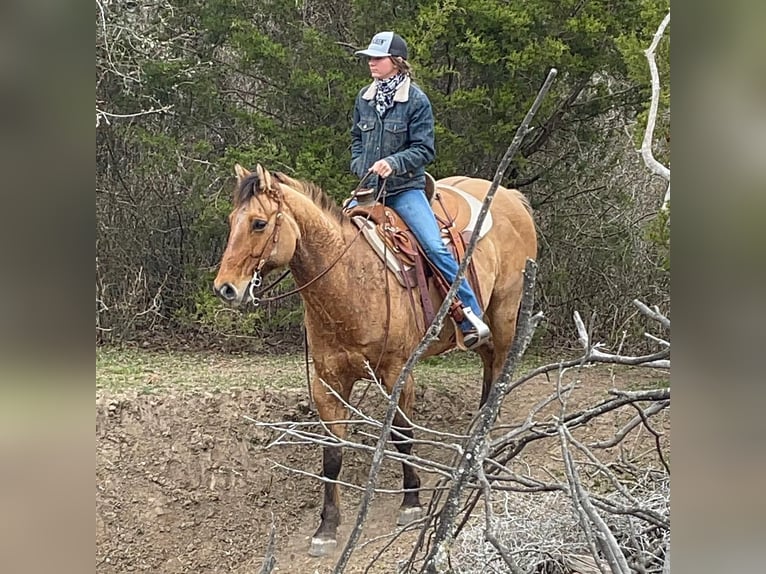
<point>456,213</point>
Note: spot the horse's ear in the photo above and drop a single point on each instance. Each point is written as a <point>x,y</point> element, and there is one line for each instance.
<point>264,177</point>
<point>241,172</point>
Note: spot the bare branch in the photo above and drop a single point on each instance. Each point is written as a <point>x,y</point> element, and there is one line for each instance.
<point>594,354</point>
<point>589,516</point>
<point>652,313</point>
<point>269,560</point>
<point>489,531</point>
<point>666,564</point>
<point>348,484</point>
<point>652,409</point>
<point>102,115</point>
<point>646,147</point>
<point>645,420</point>
<point>625,507</point>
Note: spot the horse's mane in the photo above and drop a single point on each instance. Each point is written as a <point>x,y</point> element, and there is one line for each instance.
<point>314,192</point>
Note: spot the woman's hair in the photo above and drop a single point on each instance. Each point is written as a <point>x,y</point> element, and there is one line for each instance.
<point>402,65</point>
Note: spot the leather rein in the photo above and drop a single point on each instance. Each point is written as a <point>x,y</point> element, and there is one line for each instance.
<point>257,280</point>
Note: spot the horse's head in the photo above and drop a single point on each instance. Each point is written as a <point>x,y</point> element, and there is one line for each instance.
<point>260,238</point>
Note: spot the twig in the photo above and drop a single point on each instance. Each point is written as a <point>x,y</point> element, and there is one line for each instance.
<point>394,536</point>
<point>652,409</point>
<point>657,436</point>
<point>580,418</point>
<point>652,313</point>
<point>489,531</point>
<point>269,560</point>
<point>104,115</point>
<point>604,470</point>
<point>348,484</point>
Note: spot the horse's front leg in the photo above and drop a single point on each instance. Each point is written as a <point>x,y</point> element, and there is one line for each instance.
<point>330,409</point>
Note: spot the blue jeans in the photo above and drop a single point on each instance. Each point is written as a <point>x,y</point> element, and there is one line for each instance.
<point>412,206</point>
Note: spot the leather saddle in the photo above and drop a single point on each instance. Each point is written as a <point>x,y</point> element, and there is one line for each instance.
<point>456,213</point>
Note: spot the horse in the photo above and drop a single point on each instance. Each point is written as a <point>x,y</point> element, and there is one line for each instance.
<point>354,316</point>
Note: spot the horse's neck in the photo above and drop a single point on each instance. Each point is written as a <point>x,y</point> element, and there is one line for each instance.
<point>323,245</point>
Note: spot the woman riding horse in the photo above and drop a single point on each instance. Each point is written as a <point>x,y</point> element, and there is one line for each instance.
<point>392,137</point>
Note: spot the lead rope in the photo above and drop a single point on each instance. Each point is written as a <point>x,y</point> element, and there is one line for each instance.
<point>382,199</point>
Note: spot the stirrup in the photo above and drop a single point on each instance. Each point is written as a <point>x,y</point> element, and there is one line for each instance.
<point>479,334</point>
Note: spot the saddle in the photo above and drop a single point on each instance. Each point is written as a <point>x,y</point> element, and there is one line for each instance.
<point>456,213</point>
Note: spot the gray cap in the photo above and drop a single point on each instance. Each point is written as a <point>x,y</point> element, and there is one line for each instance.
<point>385,44</point>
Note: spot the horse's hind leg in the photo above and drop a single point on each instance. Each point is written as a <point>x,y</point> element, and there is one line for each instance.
<point>487,354</point>
<point>401,436</point>
<point>503,310</point>
<point>330,409</point>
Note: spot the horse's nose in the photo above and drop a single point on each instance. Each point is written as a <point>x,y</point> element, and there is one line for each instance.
<point>227,292</point>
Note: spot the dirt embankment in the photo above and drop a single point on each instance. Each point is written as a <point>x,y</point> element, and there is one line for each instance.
<point>183,483</point>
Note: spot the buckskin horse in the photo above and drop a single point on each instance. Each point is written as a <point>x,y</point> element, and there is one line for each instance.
<point>354,316</point>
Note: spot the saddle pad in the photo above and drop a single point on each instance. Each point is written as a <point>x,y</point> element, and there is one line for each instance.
<point>449,204</point>
<point>465,216</point>
<point>370,233</point>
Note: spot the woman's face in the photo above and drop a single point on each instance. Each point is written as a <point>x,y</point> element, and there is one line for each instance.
<point>381,68</point>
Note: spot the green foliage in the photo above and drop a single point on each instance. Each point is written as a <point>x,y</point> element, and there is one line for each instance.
<point>273,82</point>
<point>632,45</point>
<point>208,314</point>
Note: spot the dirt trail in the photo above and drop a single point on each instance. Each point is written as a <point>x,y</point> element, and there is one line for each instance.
<point>183,483</point>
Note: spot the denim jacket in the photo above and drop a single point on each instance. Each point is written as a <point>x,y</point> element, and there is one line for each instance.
<point>404,137</point>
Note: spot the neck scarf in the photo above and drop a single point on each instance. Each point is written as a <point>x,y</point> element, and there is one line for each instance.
<point>384,96</point>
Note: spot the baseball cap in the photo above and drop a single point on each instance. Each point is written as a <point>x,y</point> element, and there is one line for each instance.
<point>385,44</point>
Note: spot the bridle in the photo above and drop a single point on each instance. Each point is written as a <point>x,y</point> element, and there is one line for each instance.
<point>257,280</point>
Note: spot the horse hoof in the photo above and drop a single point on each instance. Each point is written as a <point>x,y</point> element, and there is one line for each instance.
<point>407,515</point>
<point>322,546</point>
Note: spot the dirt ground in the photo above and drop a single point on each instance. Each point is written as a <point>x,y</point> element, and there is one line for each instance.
<point>184,482</point>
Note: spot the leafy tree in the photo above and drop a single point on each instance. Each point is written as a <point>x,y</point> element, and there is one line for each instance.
<point>185,88</point>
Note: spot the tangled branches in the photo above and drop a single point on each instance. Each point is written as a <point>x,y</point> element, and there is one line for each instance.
<point>598,506</point>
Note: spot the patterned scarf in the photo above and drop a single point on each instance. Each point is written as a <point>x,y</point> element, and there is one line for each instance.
<point>384,96</point>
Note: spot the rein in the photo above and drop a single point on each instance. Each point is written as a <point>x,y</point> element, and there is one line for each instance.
<point>257,279</point>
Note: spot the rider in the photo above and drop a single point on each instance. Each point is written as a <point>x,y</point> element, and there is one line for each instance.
<point>392,138</point>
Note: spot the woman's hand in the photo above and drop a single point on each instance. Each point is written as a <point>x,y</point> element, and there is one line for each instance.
<point>382,168</point>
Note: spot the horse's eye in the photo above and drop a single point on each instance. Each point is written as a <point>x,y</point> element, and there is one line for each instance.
<point>259,224</point>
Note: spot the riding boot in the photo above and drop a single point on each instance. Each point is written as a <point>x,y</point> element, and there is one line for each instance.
<point>477,333</point>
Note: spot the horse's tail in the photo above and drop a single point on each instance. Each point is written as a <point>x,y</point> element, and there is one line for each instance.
<point>523,199</point>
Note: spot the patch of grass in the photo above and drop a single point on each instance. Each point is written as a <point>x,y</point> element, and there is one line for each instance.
<point>442,370</point>
<point>151,371</point>
<point>453,363</point>
<point>645,383</point>
<point>631,378</point>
